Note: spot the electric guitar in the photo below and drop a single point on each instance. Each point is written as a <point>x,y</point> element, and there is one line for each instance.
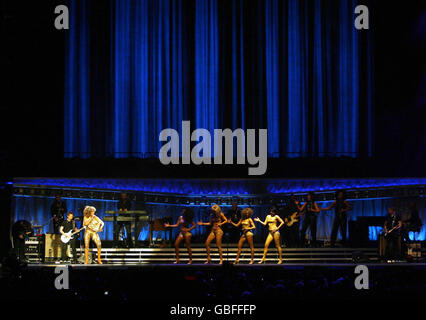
<point>292,219</point>
<point>66,237</point>
<point>394,228</point>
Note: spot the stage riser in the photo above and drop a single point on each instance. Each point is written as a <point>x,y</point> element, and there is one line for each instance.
<point>167,255</point>
<point>290,255</point>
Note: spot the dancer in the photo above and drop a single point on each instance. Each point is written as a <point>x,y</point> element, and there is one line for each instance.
<point>93,225</point>
<point>247,225</point>
<point>185,220</point>
<point>271,220</point>
<point>217,219</point>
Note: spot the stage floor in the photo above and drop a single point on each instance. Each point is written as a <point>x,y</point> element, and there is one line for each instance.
<point>227,265</point>
<point>291,256</point>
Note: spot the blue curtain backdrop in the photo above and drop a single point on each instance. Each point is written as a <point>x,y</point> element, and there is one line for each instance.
<point>37,210</point>
<point>298,68</point>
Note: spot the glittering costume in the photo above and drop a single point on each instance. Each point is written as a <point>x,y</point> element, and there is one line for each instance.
<point>245,226</point>
<point>93,225</point>
<point>273,234</point>
<point>216,219</point>
<point>185,234</point>
<point>216,229</point>
<point>184,225</point>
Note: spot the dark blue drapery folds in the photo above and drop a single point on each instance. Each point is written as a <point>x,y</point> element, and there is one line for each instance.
<point>298,68</point>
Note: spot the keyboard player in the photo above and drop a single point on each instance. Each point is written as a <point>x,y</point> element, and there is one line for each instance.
<point>124,204</point>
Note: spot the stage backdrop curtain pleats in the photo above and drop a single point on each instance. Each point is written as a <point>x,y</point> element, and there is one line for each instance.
<point>136,67</point>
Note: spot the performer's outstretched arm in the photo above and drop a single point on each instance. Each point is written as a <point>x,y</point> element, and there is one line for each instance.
<point>235,224</point>
<point>173,225</point>
<point>260,221</point>
<point>329,207</point>
<point>200,223</point>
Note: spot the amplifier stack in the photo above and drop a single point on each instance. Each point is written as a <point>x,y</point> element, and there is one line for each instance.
<point>34,248</point>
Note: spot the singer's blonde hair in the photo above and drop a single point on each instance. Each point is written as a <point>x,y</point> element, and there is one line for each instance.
<point>216,209</point>
<point>88,210</point>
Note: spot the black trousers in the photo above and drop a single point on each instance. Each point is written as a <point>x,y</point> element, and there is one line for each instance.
<point>64,247</point>
<point>290,235</point>
<point>310,222</point>
<point>19,245</point>
<point>392,248</point>
<point>118,227</point>
<point>340,222</point>
<point>232,234</point>
<point>294,235</point>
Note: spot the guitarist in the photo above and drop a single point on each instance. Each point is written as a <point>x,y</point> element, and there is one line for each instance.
<point>412,223</point>
<point>392,226</point>
<point>310,210</point>
<point>292,234</point>
<point>66,226</point>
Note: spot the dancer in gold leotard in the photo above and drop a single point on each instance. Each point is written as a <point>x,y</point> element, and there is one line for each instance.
<point>271,220</point>
<point>217,219</point>
<point>247,225</point>
<point>93,225</point>
<point>185,220</point>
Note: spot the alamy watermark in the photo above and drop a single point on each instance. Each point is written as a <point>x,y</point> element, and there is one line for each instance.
<point>62,280</point>
<point>223,139</point>
<point>363,278</point>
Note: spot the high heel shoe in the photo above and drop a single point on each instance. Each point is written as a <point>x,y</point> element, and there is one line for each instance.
<point>261,261</point>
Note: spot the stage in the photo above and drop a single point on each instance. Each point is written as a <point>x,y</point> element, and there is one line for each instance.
<point>143,256</point>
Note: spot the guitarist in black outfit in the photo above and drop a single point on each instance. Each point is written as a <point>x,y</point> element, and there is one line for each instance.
<point>413,223</point>
<point>292,232</point>
<point>66,226</point>
<point>392,227</point>
<point>310,211</point>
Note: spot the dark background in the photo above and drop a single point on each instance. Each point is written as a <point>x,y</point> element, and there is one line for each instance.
<point>32,65</point>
